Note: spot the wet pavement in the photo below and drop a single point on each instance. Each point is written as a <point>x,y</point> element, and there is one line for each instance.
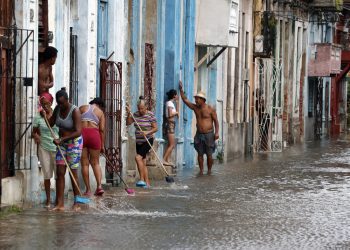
<point>298,199</point>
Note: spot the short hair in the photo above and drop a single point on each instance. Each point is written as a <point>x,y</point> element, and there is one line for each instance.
<point>61,93</point>
<point>49,53</point>
<point>99,101</point>
<point>171,93</point>
<point>141,101</point>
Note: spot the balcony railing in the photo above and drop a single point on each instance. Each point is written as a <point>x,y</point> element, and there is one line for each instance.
<point>325,59</point>
<point>327,4</point>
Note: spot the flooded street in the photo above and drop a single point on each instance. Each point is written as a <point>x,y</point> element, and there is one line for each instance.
<point>296,199</point>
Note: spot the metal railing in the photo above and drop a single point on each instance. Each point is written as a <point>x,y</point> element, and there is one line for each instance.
<point>111,93</point>
<point>17,98</point>
<point>73,74</point>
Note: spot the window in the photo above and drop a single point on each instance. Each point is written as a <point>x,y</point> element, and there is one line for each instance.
<point>6,12</point>
<point>233,17</point>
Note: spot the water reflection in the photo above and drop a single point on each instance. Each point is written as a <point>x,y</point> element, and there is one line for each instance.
<point>295,199</point>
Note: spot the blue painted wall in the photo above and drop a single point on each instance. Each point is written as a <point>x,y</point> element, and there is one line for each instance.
<point>170,35</point>
<point>160,65</point>
<point>102,38</point>
<point>188,51</point>
<point>173,48</point>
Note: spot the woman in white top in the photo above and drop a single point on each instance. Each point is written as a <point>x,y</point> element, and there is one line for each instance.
<point>170,113</point>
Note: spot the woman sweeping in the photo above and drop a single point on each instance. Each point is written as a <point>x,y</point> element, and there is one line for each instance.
<point>46,147</point>
<point>148,124</point>
<point>171,113</point>
<point>67,118</point>
<point>93,131</point>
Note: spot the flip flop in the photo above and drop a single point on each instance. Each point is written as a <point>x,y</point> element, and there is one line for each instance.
<point>99,191</point>
<point>141,184</point>
<point>168,163</point>
<point>87,194</point>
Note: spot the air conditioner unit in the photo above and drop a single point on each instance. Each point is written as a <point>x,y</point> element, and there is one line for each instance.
<point>245,75</point>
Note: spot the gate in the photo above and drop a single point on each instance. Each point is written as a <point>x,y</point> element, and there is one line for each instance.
<point>268,118</point>
<point>17,99</point>
<point>318,107</point>
<point>111,93</point>
<point>73,73</point>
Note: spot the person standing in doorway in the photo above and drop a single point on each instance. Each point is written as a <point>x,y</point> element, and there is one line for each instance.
<point>170,114</point>
<point>45,76</point>
<point>148,124</point>
<point>67,118</point>
<point>93,131</point>
<point>206,120</point>
<point>46,148</point>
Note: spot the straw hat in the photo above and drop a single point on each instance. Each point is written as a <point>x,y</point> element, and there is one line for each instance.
<point>201,94</point>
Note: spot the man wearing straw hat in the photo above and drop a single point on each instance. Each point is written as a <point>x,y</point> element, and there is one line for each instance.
<point>204,140</point>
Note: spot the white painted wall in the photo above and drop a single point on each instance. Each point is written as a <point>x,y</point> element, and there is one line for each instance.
<point>85,27</point>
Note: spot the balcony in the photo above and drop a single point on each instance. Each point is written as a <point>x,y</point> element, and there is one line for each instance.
<point>325,60</point>
<point>327,4</point>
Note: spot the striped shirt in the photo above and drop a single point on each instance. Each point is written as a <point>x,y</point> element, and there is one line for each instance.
<point>145,123</point>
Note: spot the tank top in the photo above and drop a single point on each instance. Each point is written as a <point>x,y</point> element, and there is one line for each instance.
<point>90,116</point>
<point>67,123</point>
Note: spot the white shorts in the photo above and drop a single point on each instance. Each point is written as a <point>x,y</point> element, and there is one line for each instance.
<point>48,162</point>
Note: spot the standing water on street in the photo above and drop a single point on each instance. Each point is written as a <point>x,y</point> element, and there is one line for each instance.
<point>295,199</point>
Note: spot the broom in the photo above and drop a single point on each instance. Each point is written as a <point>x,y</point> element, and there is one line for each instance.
<point>127,189</point>
<point>168,178</point>
<point>79,198</point>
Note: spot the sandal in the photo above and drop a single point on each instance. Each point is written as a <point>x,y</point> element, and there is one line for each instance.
<point>87,194</point>
<point>140,184</point>
<point>99,191</point>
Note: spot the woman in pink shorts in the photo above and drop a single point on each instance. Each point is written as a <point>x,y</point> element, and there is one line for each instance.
<point>93,131</point>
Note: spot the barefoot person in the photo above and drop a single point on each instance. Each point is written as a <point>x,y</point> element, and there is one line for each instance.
<point>170,113</point>
<point>93,131</point>
<point>46,147</point>
<point>148,124</point>
<point>45,76</point>
<point>204,140</point>
<point>67,118</point>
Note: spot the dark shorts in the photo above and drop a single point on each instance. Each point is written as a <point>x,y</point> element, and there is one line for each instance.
<point>143,148</point>
<point>204,143</point>
<point>170,127</point>
<point>91,138</point>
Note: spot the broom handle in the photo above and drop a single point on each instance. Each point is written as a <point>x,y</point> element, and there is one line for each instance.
<point>64,158</point>
<point>109,162</point>
<point>161,163</point>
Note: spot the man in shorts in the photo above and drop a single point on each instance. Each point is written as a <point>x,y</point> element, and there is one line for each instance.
<point>204,140</point>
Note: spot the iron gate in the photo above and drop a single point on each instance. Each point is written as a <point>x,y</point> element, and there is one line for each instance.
<point>111,92</point>
<point>318,107</point>
<point>73,74</point>
<point>268,118</point>
<point>17,98</point>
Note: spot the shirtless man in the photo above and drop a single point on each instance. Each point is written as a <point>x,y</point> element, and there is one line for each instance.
<point>45,76</point>
<point>204,140</point>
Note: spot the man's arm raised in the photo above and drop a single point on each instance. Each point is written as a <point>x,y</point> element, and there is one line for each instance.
<point>184,98</point>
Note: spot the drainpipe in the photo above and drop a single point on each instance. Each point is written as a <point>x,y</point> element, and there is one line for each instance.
<point>222,121</point>
<point>267,5</point>
<point>13,111</point>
